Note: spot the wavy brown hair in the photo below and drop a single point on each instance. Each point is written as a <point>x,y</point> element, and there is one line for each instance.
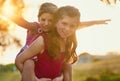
<point>55,41</point>
<point>47,8</point>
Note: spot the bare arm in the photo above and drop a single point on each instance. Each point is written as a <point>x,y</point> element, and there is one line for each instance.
<point>91,23</point>
<point>36,47</point>
<point>67,72</point>
<point>20,21</point>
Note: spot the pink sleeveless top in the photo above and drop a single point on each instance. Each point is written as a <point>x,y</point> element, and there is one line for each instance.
<point>31,38</point>
<point>47,67</point>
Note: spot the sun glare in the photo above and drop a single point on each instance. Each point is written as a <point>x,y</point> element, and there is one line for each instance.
<point>8,9</point>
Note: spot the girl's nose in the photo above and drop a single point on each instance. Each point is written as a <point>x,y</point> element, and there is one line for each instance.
<point>67,28</point>
<point>46,22</point>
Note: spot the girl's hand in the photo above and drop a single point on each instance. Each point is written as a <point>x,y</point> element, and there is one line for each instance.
<point>59,78</point>
<point>43,79</point>
<point>103,21</point>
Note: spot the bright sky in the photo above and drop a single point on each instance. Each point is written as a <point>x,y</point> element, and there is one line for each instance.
<point>97,39</point>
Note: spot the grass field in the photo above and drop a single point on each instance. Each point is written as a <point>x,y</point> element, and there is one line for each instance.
<point>10,76</point>
<point>104,70</point>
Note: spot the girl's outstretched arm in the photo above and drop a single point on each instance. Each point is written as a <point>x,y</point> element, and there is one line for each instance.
<point>91,23</point>
<point>20,21</point>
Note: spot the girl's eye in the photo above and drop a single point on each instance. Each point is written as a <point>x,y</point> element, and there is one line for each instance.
<point>73,26</point>
<point>43,19</point>
<point>64,23</point>
<point>50,20</point>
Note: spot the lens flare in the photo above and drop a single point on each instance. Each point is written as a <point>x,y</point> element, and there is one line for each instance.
<point>8,10</point>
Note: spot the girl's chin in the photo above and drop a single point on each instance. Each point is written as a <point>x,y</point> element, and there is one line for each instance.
<point>45,30</point>
<point>64,37</point>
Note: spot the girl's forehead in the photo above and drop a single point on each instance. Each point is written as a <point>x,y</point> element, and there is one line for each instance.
<point>70,19</point>
<point>47,13</point>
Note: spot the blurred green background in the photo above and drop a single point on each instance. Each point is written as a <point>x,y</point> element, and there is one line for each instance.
<point>96,70</point>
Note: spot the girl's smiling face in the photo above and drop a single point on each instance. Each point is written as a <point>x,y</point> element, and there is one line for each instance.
<point>46,21</point>
<point>66,26</point>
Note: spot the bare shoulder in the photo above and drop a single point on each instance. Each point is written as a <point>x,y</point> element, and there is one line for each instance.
<point>37,46</point>
<point>39,40</point>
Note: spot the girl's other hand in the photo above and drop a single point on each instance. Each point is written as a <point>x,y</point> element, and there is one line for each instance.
<point>59,78</point>
<point>43,79</point>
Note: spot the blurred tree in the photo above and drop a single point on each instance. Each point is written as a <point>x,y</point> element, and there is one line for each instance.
<point>6,37</point>
<point>110,2</point>
<point>2,3</point>
<point>18,6</point>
